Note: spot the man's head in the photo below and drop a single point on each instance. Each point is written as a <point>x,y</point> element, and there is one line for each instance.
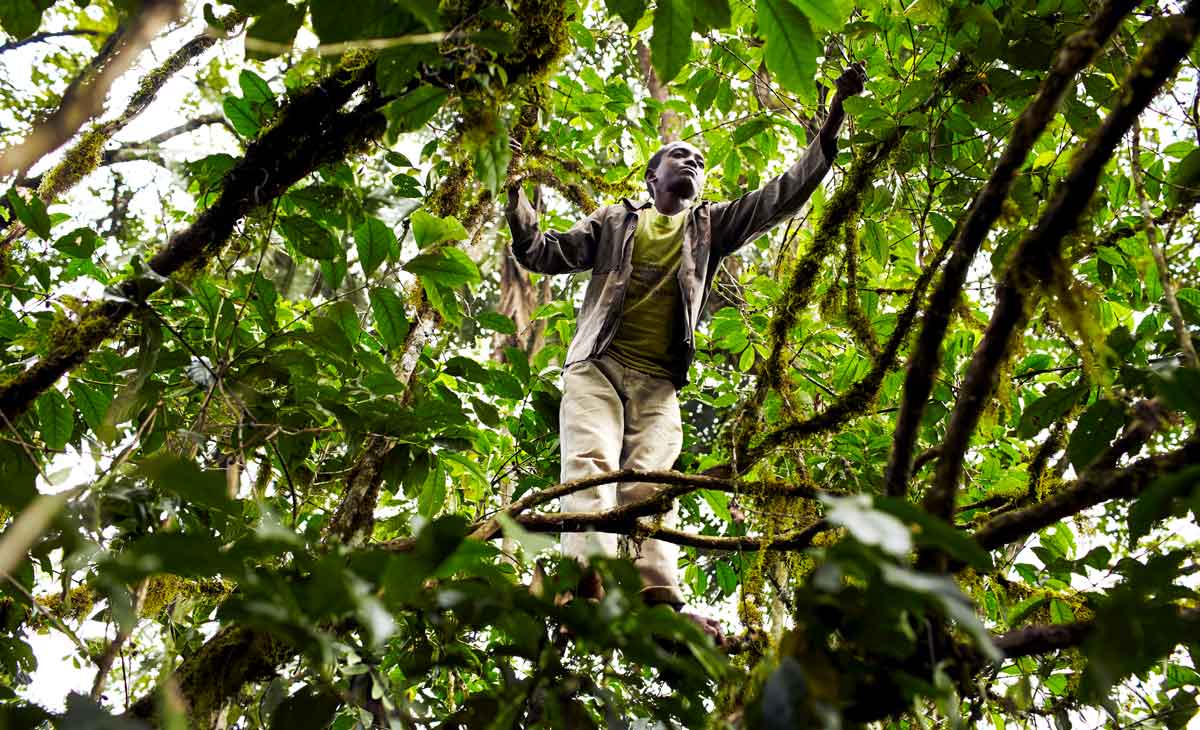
<point>677,168</point>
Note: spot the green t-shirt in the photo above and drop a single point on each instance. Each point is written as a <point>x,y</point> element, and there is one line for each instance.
<point>648,339</point>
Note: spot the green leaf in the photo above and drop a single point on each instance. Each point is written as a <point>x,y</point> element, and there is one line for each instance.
<point>388,310</point>
<point>448,267</point>
<point>80,243</point>
<point>428,229</point>
<point>712,14</point>
<point>1184,179</point>
<point>1159,501</point>
<point>791,47</point>
<point>630,11</point>
<point>746,361</point>
<point>671,43</point>
<point>945,594</point>
<point>751,129</point>
<point>184,478</point>
<point>1096,429</point>
<point>274,31</point>
<point>531,543</point>
<point>1043,412</point>
<point>21,18</point>
<point>931,531</point>
<point>309,237</point>
<point>375,241</point>
<point>241,115</point>
<point>1181,390</point>
<point>255,89</point>
<point>869,525</point>
<point>1061,612</point>
<point>31,212</point>
<point>92,404</point>
<point>497,322</point>
<point>309,709</point>
<point>411,111</point>
<point>84,713</point>
<point>433,495</point>
<point>56,419</point>
<point>491,161</point>
<point>824,14</point>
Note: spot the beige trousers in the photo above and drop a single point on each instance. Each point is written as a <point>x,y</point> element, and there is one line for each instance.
<point>613,417</point>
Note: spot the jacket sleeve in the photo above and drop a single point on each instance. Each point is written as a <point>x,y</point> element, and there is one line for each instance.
<point>552,252</point>
<point>739,221</point>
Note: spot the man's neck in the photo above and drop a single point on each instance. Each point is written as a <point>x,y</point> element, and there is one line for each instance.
<point>670,204</point>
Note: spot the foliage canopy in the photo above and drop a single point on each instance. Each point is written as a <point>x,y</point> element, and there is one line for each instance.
<point>279,436</point>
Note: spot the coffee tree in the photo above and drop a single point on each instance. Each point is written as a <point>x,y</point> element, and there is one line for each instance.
<point>278,444</point>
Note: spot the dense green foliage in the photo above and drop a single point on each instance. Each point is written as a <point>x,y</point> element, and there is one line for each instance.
<point>300,392</point>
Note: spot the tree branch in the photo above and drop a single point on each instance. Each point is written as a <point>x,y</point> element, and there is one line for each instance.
<point>87,153</point>
<point>42,37</point>
<point>1038,255</point>
<point>1042,639</point>
<point>1092,488</point>
<point>1160,261</point>
<point>77,108</point>
<point>1076,53</point>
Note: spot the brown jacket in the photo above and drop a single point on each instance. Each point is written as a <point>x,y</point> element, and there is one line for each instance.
<point>603,243</point>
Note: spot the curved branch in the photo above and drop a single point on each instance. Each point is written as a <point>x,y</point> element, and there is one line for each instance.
<point>1093,488</point>
<point>88,99</point>
<point>1039,253</point>
<point>86,154</point>
<point>859,397</point>
<point>1043,639</point>
<point>42,37</point>
<point>1075,54</point>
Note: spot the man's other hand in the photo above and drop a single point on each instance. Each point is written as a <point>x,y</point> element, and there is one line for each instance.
<point>852,80</point>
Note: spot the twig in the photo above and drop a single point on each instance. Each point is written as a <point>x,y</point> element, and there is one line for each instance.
<point>1160,261</point>
<point>105,662</point>
<point>1094,487</point>
<point>45,36</point>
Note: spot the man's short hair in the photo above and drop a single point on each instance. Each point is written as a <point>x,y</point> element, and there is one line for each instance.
<point>653,165</point>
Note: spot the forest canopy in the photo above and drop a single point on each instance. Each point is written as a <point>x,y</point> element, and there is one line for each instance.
<point>279,411</point>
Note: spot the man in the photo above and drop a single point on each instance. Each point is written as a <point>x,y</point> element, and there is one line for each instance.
<point>652,267</point>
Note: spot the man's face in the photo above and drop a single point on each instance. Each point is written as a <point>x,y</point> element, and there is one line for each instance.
<point>680,171</point>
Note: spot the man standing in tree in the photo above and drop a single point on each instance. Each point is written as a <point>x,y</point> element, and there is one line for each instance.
<point>652,267</point>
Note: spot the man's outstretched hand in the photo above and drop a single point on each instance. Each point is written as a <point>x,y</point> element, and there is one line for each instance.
<point>852,81</point>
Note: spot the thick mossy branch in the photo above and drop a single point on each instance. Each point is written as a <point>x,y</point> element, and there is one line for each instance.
<point>234,656</point>
<point>87,153</point>
<point>860,326</point>
<point>1093,488</point>
<point>1036,640</point>
<point>311,131</point>
<point>858,399</point>
<point>1076,53</point>
<point>1039,253</point>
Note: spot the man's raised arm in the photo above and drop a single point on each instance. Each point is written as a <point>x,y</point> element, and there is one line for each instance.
<point>550,252</point>
<point>742,220</point>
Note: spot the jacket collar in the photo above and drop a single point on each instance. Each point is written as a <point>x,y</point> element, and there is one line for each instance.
<point>633,207</point>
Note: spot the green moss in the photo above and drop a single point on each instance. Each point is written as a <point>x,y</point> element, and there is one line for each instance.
<point>84,157</point>
<point>76,606</point>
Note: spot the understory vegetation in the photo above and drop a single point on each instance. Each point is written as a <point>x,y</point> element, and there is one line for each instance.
<point>279,412</point>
